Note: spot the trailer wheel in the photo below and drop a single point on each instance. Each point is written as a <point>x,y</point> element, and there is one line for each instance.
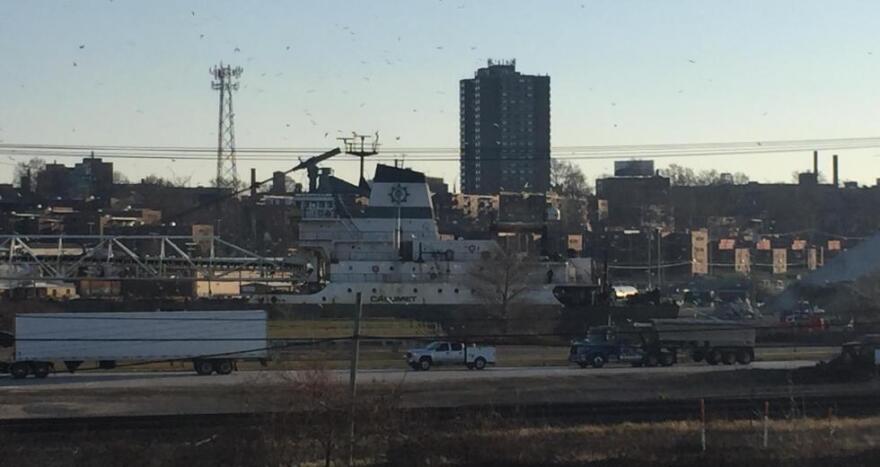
<point>598,361</point>
<point>728,358</point>
<point>19,370</point>
<point>744,356</point>
<point>223,367</point>
<point>480,363</point>
<point>666,359</point>
<point>72,365</point>
<point>713,357</point>
<point>424,363</point>
<point>583,364</point>
<point>650,360</point>
<point>40,369</point>
<point>698,356</point>
<point>203,367</point>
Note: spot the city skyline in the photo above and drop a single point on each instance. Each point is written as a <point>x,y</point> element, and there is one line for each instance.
<point>634,73</point>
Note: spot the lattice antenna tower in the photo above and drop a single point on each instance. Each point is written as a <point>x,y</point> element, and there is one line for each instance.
<point>226,81</point>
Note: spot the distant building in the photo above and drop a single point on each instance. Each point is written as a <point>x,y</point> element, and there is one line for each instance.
<point>89,180</point>
<point>505,131</point>
<point>634,168</point>
<point>635,201</point>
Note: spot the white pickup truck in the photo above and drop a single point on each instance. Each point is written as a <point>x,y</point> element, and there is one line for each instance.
<point>450,353</point>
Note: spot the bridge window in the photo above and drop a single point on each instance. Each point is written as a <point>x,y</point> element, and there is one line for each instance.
<point>415,290</point>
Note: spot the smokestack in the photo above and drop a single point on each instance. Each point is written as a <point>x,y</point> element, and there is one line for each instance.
<point>816,163</point>
<point>253,182</point>
<point>834,171</point>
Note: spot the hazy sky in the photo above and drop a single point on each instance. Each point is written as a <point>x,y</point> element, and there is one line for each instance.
<point>622,72</point>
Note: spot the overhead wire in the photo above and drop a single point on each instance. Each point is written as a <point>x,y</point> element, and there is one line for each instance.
<point>448,154</point>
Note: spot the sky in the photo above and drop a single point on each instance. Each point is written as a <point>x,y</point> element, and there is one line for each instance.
<point>622,72</point>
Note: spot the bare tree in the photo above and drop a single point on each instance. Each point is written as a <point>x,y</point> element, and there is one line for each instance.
<point>154,179</point>
<point>685,176</point>
<point>30,168</point>
<point>119,177</point>
<point>500,279</point>
<point>567,179</point>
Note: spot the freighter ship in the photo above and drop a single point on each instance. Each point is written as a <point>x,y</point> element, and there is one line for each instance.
<point>393,254</point>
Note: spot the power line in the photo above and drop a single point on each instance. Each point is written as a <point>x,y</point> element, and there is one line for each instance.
<point>571,156</point>
<point>606,148</point>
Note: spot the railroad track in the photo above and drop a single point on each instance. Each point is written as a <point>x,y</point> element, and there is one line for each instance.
<point>600,413</point>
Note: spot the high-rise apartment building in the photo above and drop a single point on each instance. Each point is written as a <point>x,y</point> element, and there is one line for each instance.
<point>505,130</point>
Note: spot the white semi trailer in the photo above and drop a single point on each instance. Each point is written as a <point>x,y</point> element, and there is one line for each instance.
<point>212,340</point>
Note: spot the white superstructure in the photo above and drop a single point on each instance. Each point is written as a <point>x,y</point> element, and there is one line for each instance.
<point>394,254</point>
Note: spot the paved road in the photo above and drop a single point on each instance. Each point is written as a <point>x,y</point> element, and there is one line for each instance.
<point>170,380</point>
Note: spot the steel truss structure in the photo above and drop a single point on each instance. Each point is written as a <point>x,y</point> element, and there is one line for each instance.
<point>137,257</point>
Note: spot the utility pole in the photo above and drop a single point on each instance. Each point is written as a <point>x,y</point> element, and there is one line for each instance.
<point>659,259</point>
<point>361,150</point>
<point>226,81</point>
<point>650,247</point>
<point>352,381</point>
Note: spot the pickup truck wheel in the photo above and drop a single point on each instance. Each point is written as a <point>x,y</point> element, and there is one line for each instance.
<point>72,365</point>
<point>698,356</point>
<point>728,358</point>
<point>651,360</point>
<point>743,356</point>
<point>480,363</point>
<point>414,366</point>
<point>19,370</point>
<point>598,361</point>
<point>667,359</point>
<point>223,367</point>
<point>40,369</point>
<point>425,364</point>
<point>203,367</point>
<point>713,357</point>
<point>583,364</point>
